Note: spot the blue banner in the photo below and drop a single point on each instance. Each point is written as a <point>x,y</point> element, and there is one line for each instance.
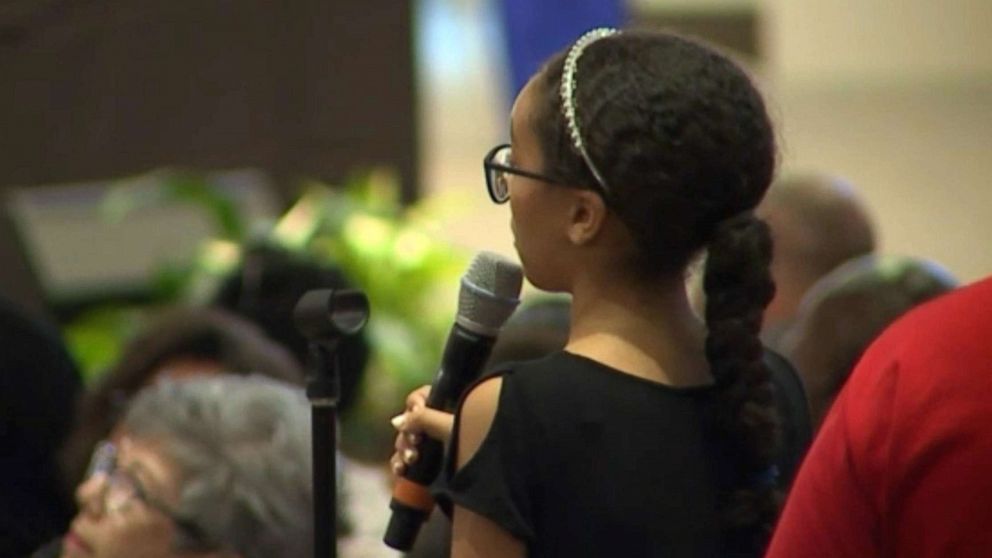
<point>536,29</point>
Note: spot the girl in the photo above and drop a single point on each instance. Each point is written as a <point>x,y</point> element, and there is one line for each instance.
<point>651,433</point>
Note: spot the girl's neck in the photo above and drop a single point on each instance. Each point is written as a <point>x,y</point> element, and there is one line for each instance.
<point>647,329</point>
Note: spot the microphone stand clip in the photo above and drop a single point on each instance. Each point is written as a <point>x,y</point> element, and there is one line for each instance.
<point>325,317</point>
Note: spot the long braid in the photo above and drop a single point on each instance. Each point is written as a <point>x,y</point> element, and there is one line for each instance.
<point>738,286</point>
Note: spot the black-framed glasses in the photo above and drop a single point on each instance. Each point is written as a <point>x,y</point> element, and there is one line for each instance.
<point>121,487</point>
<point>497,165</point>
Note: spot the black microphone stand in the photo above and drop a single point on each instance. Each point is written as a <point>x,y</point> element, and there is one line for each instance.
<point>324,317</point>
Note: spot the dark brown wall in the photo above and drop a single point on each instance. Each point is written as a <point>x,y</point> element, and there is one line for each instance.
<point>99,89</point>
<point>107,88</point>
<point>17,279</point>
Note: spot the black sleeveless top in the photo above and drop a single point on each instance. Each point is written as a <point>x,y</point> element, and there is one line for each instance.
<point>585,460</point>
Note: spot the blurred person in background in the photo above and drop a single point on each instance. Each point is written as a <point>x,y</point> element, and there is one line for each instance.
<point>536,329</point>
<point>39,384</point>
<point>212,466</point>
<point>901,464</point>
<point>818,222</point>
<point>265,290</point>
<point>180,342</point>
<point>846,310</point>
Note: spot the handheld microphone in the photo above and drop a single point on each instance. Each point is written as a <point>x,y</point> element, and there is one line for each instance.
<point>489,293</point>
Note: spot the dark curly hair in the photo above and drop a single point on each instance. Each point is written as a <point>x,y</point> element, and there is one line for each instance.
<point>266,288</point>
<point>684,142</point>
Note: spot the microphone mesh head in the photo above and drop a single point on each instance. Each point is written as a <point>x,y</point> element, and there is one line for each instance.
<point>490,292</point>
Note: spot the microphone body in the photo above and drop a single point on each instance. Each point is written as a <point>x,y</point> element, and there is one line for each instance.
<point>488,296</point>
<point>464,355</point>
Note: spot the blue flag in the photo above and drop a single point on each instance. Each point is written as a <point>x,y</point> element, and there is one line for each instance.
<point>536,29</point>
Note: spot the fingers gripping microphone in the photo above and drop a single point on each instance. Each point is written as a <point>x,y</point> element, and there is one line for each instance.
<point>489,293</point>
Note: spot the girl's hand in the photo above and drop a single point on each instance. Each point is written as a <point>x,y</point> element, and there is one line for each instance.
<point>418,420</point>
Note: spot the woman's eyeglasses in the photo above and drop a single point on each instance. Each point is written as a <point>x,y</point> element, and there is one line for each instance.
<point>121,487</point>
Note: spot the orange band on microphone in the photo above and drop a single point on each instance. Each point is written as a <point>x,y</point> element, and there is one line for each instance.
<point>413,495</point>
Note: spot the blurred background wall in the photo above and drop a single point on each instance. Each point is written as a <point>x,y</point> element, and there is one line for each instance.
<point>102,89</point>
<point>895,95</point>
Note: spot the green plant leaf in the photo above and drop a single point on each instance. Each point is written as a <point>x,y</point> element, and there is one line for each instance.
<point>393,253</point>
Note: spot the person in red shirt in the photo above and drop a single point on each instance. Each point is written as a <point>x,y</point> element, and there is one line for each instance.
<point>903,463</point>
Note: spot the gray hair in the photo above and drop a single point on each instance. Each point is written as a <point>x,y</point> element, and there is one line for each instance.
<point>242,446</point>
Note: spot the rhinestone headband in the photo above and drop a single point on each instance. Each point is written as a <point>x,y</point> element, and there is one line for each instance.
<point>569,80</point>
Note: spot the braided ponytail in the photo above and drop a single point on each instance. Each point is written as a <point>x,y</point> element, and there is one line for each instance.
<point>738,286</point>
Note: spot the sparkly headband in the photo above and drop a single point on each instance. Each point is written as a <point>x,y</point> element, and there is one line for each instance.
<point>568,86</point>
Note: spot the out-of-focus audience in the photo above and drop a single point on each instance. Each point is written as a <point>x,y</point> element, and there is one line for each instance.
<point>901,465</point>
<point>39,384</point>
<point>213,466</point>
<point>846,310</point>
<point>180,343</point>
<point>817,223</point>
<point>538,328</point>
<point>265,289</point>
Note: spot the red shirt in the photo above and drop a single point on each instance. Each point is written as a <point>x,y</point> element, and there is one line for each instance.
<point>903,463</point>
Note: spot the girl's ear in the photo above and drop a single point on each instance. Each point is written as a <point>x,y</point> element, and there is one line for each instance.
<point>586,217</point>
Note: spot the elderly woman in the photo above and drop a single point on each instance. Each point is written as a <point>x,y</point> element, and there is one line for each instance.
<point>213,466</point>
<point>180,342</point>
